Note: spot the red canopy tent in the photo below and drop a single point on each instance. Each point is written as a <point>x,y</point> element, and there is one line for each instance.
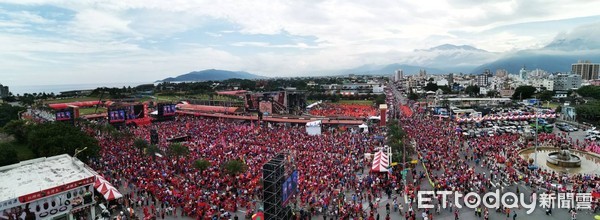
<point>380,163</point>
<point>112,194</point>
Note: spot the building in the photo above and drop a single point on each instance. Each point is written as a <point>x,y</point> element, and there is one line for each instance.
<point>565,82</point>
<point>504,93</point>
<point>399,75</point>
<point>450,79</point>
<point>586,70</point>
<point>422,73</point>
<point>501,73</point>
<point>4,91</point>
<point>442,82</point>
<point>543,84</point>
<point>523,74</point>
<point>482,80</point>
<point>378,89</point>
<point>29,186</point>
<point>568,113</point>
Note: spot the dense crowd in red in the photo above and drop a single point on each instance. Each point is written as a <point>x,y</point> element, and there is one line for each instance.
<point>326,163</point>
<point>452,159</point>
<point>348,110</point>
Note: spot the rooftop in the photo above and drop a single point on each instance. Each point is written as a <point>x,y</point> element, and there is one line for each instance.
<point>39,174</point>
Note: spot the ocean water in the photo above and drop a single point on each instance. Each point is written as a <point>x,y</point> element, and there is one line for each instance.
<point>56,89</point>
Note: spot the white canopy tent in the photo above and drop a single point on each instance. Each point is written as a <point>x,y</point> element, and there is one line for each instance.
<point>313,127</point>
<point>363,128</point>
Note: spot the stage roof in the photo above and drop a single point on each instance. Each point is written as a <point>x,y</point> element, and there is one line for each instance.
<point>32,176</point>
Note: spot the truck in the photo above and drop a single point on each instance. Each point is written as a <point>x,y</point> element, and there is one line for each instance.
<point>542,128</point>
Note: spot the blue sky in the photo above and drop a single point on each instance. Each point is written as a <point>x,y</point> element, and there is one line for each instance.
<point>64,41</point>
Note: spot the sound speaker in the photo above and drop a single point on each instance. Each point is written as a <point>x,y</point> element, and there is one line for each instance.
<point>153,137</point>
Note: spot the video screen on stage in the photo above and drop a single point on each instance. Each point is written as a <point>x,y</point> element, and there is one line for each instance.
<point>290,186</point>
<point>64,115</point>
<point>134,112</point>
<point>168,110</point>
<point>116,116</point>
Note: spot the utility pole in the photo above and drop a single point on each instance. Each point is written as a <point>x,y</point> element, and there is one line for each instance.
<point>536,136</point>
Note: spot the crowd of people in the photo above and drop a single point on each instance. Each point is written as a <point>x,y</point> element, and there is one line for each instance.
<point>344,110</point>
<point>468,164</point>
<point>327,165</point>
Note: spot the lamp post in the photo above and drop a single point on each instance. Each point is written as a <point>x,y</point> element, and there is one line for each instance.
<point>77,151</point>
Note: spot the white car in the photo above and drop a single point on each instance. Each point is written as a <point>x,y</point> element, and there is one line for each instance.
<point>592,131</point>
<point>592,137</point>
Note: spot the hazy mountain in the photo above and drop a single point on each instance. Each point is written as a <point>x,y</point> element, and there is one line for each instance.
<point>557,56</point>
<point>212,74</point>
<point>441,59</point>
<point>389,69</point>
<point>454,47</point>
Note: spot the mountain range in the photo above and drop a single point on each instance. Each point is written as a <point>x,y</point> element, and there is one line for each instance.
<point>556,56</point>
<point>211,74</point>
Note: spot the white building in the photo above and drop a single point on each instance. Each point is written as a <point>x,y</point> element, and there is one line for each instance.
<point>442,82</point>
<point>541,84</point>
<point>58,187</point>
<point>523,74</point>
<point>565,82</point>
<point>378,89</point>
<point>483,90</point>
<point>399,75</point>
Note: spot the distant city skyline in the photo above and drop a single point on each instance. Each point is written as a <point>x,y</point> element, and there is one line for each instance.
<point>57,42</point>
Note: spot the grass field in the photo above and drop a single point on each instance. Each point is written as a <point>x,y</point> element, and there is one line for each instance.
<point>360,102</point>
<point>88,111</point>
<point>552,105</point>
<point>79,99</point>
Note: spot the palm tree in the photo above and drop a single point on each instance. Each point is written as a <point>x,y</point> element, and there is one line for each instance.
<point>177,150</point>
<point>140,144</point>
<point>235,167</point>
<point>152,150</point>
<point>202,164</point>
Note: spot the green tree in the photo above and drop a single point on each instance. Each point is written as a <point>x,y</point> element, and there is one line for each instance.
<point>235,167</point>
<point>492,93</point>
<point>395,140</point>
<point>152,150</point>
<point>545,95</point>
<point>558,109</point>
<point>413,96</point>
<point>9,113</point>
<point>589,91</point>
<point>8,155</point>
<point>50,139</point>
<point>202,164</point>
<point>140,144</point>
<point>178,150</point>
<point>523,92</point>
<point>18,129</point>
<point>431,87</point>
<point>380,100</point>
<point>589,111</point>
<point>472,90</point>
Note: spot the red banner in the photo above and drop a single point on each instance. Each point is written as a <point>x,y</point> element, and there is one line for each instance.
<point>55,190</point>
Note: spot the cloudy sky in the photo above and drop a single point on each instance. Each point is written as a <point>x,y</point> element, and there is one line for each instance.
<point>46,42</point>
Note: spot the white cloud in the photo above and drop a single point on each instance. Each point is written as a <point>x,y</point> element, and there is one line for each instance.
<point>114,35</point>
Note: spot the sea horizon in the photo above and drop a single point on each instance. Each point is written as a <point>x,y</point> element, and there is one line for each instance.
<point>56,89</point>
